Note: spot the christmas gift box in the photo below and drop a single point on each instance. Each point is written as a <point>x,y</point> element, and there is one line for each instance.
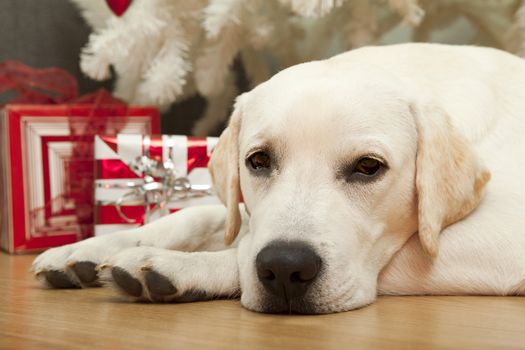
<point>140,178</point>
<point>47,167</point>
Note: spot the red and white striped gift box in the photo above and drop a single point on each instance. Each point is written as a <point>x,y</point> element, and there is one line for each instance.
<point>117,174</point>
<point>46,168</point>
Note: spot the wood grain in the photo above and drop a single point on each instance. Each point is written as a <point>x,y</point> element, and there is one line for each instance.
<point>32,317</point>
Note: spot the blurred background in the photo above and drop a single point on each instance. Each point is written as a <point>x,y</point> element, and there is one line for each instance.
<point>191,58</point>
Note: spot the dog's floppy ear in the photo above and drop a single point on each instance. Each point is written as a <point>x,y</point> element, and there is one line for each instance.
<point>224,170</point>
<point>449,177</point>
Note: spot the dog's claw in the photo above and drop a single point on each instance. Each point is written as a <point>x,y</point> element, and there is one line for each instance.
<point>59,279</point>
<point>85,271</point>
<point>126,282</point>
<point>158,284</point>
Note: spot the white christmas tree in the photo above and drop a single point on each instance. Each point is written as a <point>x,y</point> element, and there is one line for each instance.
<point>166,50</point>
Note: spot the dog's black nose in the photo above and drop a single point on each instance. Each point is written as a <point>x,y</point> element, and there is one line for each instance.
<point>286,269</point>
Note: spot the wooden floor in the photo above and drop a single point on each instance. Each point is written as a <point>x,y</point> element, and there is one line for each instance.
<point>36,318</point>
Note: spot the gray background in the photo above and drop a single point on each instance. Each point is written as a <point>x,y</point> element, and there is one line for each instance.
<point>51,33</point>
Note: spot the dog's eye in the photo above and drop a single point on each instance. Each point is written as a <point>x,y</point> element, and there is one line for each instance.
<point>259,160</point>
<point>367,166</point>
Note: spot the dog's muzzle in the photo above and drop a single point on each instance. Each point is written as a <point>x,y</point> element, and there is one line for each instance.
<point>287,269</point>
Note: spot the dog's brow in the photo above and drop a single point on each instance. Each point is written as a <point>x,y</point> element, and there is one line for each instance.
<point>261,141</point>
<point>366,145</point>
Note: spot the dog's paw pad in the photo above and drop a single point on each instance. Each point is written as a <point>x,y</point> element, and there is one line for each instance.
<point>59,279</point>
<point>126,282</point>
<point>85,271</point>
<point>158,284</point>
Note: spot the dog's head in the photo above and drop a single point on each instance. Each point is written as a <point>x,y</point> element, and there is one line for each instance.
<point>337,169</point>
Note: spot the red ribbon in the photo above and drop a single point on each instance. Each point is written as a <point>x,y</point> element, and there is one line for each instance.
<point>83,152</point>
<point>47,86</point>
<point>29,85</point>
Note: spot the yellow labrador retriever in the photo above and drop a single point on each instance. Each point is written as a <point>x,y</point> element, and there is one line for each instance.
<point>340,163</point>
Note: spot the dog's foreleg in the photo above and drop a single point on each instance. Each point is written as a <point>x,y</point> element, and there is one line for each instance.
<point>74,265</point>
<point>160,275</point>
<point>192,229</point>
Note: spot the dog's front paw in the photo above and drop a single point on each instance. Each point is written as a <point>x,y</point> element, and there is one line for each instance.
<point>72,266</point>
<point>158,275</point>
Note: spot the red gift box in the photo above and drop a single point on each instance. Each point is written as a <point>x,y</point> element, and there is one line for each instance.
<point>140,178</point>
<point>46,163</point>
